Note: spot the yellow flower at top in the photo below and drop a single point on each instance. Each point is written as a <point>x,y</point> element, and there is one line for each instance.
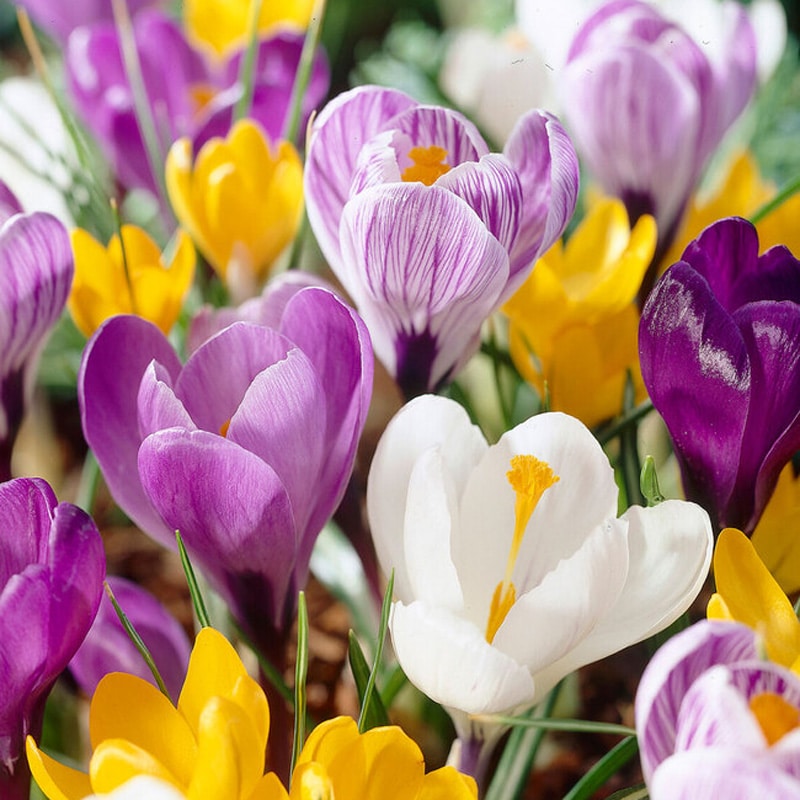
<point>241,199</point>
<point>222,25</point>
<point>747,593</point>
<point>105,284</point>
<point>574,322</point>
<point>741,192</point>
<point>211,747</point>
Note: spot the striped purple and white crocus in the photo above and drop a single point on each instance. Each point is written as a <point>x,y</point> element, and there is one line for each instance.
<point>716,720</point>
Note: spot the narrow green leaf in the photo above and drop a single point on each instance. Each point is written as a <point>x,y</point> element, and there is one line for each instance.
<point>648,483</point>
<point>246,71</point>
<point>358,664</point>
<point>629,461</point>
<point>549,724</point>
<point>300,675</point>
<point>612,762</point>
<point>638,792</point>
<point>786,191</point>
<point>369,692</point>
<point>137,641</point>
<point>396,681</point>
<point>194,589</point>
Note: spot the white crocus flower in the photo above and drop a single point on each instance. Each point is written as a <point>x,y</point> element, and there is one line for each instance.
<point>511,567</point>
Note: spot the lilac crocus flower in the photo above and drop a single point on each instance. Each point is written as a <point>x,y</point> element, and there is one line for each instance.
<point>108,648</point>
<point>247,449</point>
<point>712,719</point>
<point>426,229</point>
<point>51,575</point>
<point>647,106</point>
<point>36,269</point>
<point>188,95</point>
<point>719,343</point>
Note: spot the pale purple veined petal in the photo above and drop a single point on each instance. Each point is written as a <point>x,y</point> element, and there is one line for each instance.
<point>157,404</point>
<point>9,205</point>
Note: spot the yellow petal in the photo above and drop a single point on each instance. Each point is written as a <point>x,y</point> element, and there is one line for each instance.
<point>395,765</point>
<point>311,782</point>
<point>115,761</point>
<point>56,781</point>
<point>753,597</point>
<point>269,788</point>
<point>448,783</point>
<point>129,708</point>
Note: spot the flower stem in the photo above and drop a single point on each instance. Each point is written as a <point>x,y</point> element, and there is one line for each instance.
<point>789,189</point>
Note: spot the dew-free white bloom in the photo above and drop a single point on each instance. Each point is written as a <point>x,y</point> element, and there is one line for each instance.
<point>486,629</point>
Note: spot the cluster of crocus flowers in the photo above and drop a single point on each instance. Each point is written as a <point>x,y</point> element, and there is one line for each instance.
<point>241,198</point>
<point>246,449</point>
<point>426,229</point>
<point>511,566</point>
<point>719,344</point>
<point>129,276</point>
<point>51,573</point>
<point>36,268</point>
<point>574,323</point>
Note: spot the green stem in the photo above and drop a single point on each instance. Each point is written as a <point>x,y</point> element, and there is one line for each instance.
<point>625,420</point>
<point>246,72</point>
<point>607,766</point>
<point>789,189</point>
<point>300,675</point>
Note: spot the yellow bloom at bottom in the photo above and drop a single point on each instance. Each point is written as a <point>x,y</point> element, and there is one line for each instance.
<point>211,747</point>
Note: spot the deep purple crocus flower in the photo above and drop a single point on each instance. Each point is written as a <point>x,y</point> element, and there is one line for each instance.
<point>108,648</point>
<point>36,268</point>
<point>426,229</point>
<point>711,717</point>
<point>647,105</point>
<point>247,449</point>
<point>188,95</point>
<point>719,343</point>
<point>52,567</point>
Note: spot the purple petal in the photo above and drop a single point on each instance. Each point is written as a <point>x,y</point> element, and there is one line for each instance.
<point>157,405</point>
<point>9,205</point>
<point>234,515</point>
<point>113,364</point>
<point>31,501</point>
<point>337,136</point>
<point>686,341</point>
<point>672,671</point>
<point>422,287</point>
<point>545,160</point>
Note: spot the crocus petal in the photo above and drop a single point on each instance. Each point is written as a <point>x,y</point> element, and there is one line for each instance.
<point>157,404</point>
<point>107,391</point>
<point>9,205</point>
<point>32,500</point>
<point>54,779</point>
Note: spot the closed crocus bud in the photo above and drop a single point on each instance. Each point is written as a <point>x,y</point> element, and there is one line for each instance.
<point>36,268</point>
<point>52,567</point>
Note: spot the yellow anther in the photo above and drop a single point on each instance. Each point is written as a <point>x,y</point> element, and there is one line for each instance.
<point>775,716</point>
<point>427,166</point>
<point>223,431</point>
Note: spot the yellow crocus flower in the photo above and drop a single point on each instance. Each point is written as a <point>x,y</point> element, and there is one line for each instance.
<point>151,289</point>
<point>222,24</point>
<point>240,199</point>
<point>747,593</point>
<point>574,323</point>
<point>211,747</point>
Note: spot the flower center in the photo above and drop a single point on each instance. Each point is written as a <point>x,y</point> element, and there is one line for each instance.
<point>775,716</point>
<point>427,166</point>
<point>223,431</point>
<point>530,478</point>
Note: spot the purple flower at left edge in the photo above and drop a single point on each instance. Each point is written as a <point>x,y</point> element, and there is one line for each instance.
<point>427,230</point>
<point>36,268</point>
<point>52,567</point>
<point>189,95</point>
<point>715,720</point>
<point>247,449</point>
<point>719,344</point>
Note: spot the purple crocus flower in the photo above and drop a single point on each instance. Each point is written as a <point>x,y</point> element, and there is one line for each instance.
<point>108,648</point>
<point>36,268</point>
<point>719,343</point>
<point>188,95</point>
<point>247,449</point>
<point>712,719</point>
<point>647,105</point>
<point>51,575</point>
<point>426,229</point>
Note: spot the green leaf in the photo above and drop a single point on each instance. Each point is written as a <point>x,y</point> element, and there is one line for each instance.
<point>607,766</point>
<point>638,792</point>
<point>549,724</point>
<point>194,589</point>
<point>300,675</point>
<point>377,714</point>
<point>648,483</point>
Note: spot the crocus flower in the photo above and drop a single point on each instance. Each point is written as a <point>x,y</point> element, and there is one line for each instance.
<point>35,274</point>
<point>648,106</point>
<point>428,231</point>
<point>574,323</point>
<point>51,574</point>
<point>714,720</point>
<point>247,449</point>
<point>108,647</point>
<point>189,96</point>
<point>511,566</point>
<point>241,199</point>
<point>210,747</point>
<point>747,593</point>
<point>719,343</point>
<point>128,280</point>
<point>223,24</point>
